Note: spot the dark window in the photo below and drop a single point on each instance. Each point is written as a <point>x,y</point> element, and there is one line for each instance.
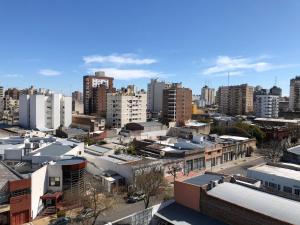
<point>54,181</point>
<point>287,189</point>
<point>297,192</point>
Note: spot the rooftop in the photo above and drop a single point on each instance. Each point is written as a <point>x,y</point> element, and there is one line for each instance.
<point>54,149</point>
<point>179,215</point>
<point>203,179</point>
<point>97,149</point>
<point>258,201</point>
<point>277,120</point>
<point>234,138</point>
<point>277,171</point>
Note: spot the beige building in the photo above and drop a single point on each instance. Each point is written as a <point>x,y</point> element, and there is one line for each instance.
<point>126,106</point>
<point>235,100</point>
<point>208,95</point>
<point>294,104</point>
<point>177,103</point>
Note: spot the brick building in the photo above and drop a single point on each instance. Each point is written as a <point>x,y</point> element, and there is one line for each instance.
<point>95,88</point>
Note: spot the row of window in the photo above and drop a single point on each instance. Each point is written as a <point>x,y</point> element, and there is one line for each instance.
<point>286,189</point>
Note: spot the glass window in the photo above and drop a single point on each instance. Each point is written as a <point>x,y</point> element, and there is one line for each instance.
<point>287,189</point>
<point>54,181</point>
<point>272,185</point>
<point>297,192</point>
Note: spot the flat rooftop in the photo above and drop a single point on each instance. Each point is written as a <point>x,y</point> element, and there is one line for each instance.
<point>203,179</point>
<point>270,205</point>
<point>277,171</point>
<point>177,214</point>
<point>234,138</point>
<point>277,120</point>
<point>54,149</point>
<point>6,175</point>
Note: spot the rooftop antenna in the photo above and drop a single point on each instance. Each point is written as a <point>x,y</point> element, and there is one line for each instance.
<point>275,80</point>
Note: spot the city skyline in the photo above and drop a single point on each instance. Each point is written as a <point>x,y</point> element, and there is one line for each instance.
<point>55,45</point>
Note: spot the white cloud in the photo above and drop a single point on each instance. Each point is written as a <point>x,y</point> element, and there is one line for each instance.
<point>123,59</point>
<point>125,74</point>
<point>49,72</point>
<point>239,65</point>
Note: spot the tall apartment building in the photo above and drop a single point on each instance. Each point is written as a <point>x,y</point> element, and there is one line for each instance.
<point>45,112</point>
<point>276,91</point>
<point>267,106</point>
<point>1,92</point>
<point>13,93</point>
<point>208,95</point>
<point>155,95</point>
<point>294,104</point>
<point>235,100</point>
<point>177,103</point>
<point>126,106</point>
<point>95,89</point>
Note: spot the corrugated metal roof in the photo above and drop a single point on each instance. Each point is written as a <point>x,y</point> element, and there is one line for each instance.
<point>271,205</point>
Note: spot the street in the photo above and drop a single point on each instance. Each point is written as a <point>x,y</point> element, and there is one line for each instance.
<point>241,168</point>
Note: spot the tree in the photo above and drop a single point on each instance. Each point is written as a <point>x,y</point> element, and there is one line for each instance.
<point>94,198</point>
<point>173,169</point>
<point>149,181</point>
<point>273,151</point>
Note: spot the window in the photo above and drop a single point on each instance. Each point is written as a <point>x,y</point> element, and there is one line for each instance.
<point>272,185</point>
<point>54,181</point>
<point>287,189</point>
<point>297,192</point>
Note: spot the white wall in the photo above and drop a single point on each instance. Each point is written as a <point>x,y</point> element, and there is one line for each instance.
<point>67,112</point>
<point>38,188</point>
<point>56,110</point>
<point>96,165</point>
<point>55,171</point>
<point>37,111</point>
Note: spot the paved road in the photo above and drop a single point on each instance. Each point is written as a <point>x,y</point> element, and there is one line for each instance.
<point>242,167</point>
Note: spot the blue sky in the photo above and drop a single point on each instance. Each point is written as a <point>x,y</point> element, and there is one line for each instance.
<point>52,44</point>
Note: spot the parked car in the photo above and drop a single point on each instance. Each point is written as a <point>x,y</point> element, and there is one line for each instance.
<point>136,197</point>
<point>61,221</point>
<point>85,213</point>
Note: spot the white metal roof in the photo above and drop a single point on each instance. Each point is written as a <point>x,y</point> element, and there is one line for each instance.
<point>235,138</point>
<point>271,205</point>
<point>277,171</point>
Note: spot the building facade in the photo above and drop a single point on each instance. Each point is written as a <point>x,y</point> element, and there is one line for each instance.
<point>45,112</point>
<point>177,103</point>
<point>208,95</point>
<point>235,100</point>
<point>267,106</point>
<point>155,95</point>
<point>95,89</point>
<point>294,101</point>
<point>126,106</point>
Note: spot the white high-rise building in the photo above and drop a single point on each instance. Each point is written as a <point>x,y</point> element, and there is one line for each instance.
<point>45,112</point>
<point>267,106</point>
<point>126,106</point>
<point>155,95</point>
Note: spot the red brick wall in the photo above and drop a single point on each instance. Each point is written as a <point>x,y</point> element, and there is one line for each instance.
<point>187,195</point>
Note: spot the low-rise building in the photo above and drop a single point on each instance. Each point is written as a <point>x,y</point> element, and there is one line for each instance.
<point>144,130</point>
<point>280,177</point>
<point>190,129</point>
<point>235,202</point>
<point>292,155</point>
<point>88,123</point>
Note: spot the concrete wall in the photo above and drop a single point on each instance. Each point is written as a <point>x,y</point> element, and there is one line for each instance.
<point>67,112</point>
<point>37,111</point>
<point>56,110</point>
<point>39,186</point>
<point>54,171</point>
<point>24,111</point>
